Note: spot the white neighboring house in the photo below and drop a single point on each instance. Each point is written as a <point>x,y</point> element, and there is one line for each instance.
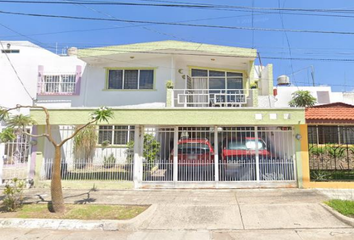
<point>25,60</point>
<point>323,94</point>
<point>29,60</point>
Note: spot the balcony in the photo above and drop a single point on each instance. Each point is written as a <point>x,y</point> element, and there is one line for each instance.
<point>228,98</point>
<point>64,84</point>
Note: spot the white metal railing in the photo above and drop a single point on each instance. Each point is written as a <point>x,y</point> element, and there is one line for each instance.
<point>107,162</point>
<point>211,97</point>
<point>57,84</point>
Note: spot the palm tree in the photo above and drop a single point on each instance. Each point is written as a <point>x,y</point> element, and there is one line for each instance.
<point>302,98</point>
<point>19,122</point>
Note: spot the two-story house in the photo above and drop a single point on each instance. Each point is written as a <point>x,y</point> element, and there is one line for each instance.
<point>214,125</point>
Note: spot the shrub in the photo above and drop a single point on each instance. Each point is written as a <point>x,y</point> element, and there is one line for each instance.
<point>319,175</point>
<point>151,149</point>
<point>318,151</point>
<point>14,195</point>
<point>336,151</point>
<point>109,162</point>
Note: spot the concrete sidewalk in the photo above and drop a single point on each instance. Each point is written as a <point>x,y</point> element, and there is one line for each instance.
<point>205,214</point>
<point>215,209</point>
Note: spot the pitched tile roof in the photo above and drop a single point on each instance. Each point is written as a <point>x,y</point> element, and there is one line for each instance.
<point>333,112</point>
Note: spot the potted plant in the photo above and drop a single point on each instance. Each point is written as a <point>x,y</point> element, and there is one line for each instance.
<point>169,84</point>
<point>254,85</point>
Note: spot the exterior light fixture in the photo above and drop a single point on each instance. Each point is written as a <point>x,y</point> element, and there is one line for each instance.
<point>298,137</point>
<point>213,59</point>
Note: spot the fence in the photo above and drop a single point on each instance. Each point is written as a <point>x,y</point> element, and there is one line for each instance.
<point>226,154</point>
<point>102,155</point>
<point>15,158</point>
<point>331,153</point>
<point>177,154</point>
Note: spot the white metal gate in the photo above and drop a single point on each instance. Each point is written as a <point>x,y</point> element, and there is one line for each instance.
<point>219,155</point>
<point>15,158</point>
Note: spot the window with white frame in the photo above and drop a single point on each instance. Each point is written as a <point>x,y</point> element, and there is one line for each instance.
<point>115,135</point>
<point>220,79</point>
<point>130,79</point>
<point>64,83</point>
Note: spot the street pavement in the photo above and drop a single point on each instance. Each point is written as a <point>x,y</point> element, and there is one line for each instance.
<point>206,214</point>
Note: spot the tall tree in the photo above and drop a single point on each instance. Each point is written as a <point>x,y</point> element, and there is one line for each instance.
<point>302,98</point>
<point>19,122</point>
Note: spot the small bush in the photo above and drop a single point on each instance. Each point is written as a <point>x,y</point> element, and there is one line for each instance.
<point>109,162</point>
<point>14,195</point>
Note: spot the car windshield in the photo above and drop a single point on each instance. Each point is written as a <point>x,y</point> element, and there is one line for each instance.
<point>245,145</point>
<point>193,148</point>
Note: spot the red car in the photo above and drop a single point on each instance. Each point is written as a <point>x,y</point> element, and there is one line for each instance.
<point>195,155</point>
<point>239,157</point>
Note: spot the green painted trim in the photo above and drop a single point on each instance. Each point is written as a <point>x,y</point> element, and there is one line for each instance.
<point>107,69</point>
<point>167,45</point>
<point>177,116</point>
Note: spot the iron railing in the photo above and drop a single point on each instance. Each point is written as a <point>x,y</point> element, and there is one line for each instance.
<point>331,153</point>
<point>57,84</point>
<point>211,97</point>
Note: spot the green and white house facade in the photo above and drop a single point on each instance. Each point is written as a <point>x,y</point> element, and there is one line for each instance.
<point>216,127</point>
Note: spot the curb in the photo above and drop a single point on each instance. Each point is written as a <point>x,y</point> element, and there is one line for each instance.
<point>72,224</point>
<point>339,216</point>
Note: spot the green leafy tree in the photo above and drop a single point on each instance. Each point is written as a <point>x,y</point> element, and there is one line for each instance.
<point>20,122</point>
<point>7,135</point>
<point>84,145</point>
<point>302,98</point>
<point>151,149</point>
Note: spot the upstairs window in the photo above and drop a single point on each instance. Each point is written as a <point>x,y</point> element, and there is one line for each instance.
<point>58,84</point>
<point>219,79</point>
<point>130,79</point>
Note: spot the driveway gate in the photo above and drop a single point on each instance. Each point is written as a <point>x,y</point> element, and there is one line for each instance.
<point>225,155</point>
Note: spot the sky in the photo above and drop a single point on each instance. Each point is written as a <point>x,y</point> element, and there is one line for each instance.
<point>56,34</point>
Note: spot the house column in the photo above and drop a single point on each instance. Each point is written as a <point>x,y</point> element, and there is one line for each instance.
<point>216,153</point>
<point>175,155</point>
<point>257,152</point>
<point>2,153</point>
<point>138,155</point>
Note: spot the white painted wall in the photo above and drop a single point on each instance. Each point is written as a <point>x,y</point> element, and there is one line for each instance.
<point>26,64</point>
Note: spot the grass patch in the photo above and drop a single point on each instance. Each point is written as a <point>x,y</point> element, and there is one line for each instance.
<point>345,207</point>
<point>75,211</point>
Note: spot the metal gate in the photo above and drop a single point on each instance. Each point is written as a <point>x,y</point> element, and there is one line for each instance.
<point>218,154</point>
<point>15,158</point>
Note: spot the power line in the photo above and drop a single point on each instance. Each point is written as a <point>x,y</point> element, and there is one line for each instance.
<point>15,71</point>
<point>181,5</point>
<point>177,24</point>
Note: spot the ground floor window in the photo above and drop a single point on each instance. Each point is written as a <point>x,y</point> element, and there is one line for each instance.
<point>115,135</point>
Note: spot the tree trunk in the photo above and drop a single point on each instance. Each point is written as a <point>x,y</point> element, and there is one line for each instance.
<point>56,190</point>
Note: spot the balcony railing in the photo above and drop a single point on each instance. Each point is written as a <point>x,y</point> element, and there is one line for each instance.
<point>64,84</point>
<point>213,98</point>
